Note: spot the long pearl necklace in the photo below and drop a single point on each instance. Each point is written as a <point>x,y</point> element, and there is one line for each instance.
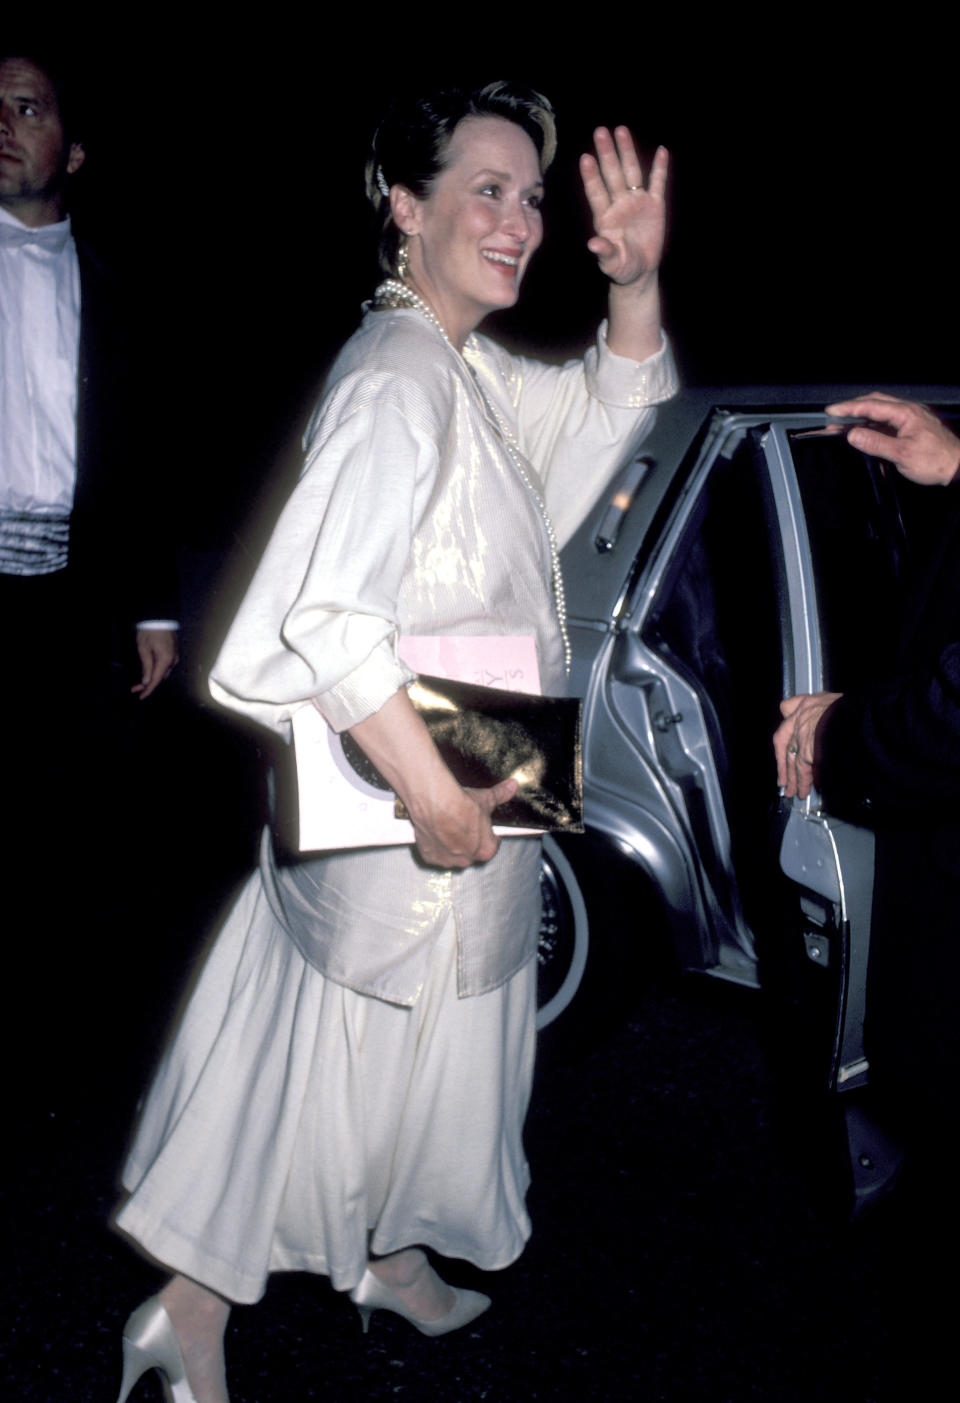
<point>391,294</point>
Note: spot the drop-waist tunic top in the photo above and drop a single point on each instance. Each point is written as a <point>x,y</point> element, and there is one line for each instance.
<point>412,516</point>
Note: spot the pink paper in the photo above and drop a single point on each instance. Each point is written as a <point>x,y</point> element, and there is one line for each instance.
<point>489,661</point>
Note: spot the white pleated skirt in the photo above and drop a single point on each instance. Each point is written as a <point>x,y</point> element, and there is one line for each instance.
<point>296,1125</point>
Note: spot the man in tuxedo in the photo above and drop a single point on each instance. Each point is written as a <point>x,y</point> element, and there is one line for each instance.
<point>79,558</point>
<point>87,591</point>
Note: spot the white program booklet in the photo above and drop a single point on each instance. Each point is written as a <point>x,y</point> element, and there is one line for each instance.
<point>340,809</point>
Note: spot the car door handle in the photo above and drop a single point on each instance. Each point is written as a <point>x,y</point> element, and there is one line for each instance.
<point>620,503</point>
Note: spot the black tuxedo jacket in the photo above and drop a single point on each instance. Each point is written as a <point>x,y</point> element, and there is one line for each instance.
<point>895,749</point>
<point>122,561</point>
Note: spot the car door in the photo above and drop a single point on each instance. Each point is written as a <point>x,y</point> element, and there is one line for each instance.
<point>843,511</point>
<point>696,675</point>
<point>740,605</point>
<point>840,521</point>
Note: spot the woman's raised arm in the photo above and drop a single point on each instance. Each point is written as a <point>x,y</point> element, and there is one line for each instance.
<point>630,223</point>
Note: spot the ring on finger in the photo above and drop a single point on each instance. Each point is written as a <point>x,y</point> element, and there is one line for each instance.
<point>793,748</point>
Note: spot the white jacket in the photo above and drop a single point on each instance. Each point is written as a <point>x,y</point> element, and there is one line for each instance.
<point>412,517</point>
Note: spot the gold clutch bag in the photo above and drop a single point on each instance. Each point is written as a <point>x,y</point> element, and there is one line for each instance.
<point>486,734</point>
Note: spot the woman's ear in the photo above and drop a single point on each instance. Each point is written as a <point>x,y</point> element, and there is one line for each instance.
<point>405,208</point>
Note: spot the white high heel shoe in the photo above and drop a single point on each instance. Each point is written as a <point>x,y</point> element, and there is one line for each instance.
<point>150,1342</point>
<point>372,1294</point>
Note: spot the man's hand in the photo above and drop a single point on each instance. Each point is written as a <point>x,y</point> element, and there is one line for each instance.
<point>795,741</point>
<point>921,448</point>
<point>158,657</point>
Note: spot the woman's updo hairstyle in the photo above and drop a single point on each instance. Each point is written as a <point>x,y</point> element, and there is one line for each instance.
<point>411,144</point>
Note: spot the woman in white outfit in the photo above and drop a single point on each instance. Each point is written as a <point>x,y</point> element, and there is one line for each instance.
<point>349,1081</point>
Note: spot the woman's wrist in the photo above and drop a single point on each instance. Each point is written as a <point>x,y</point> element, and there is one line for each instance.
<point>397,741</point>
<point>634,328</point>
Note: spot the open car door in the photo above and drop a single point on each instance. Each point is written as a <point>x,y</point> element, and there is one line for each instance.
<point>844,543</point>
<point>780,551</point>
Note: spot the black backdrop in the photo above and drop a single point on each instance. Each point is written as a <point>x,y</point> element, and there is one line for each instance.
<point>811,201</point>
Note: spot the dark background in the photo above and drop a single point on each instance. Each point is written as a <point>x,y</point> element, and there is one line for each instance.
<point>812,228</point>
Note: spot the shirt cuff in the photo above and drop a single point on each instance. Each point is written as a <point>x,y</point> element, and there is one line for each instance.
<point>630,384</point>
<point>365,690</point>
<point>170,624</point>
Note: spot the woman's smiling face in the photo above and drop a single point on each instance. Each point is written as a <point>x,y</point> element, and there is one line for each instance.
<point>472,237</point>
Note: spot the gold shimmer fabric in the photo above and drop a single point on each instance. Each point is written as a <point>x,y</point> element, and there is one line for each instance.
<point>412,517</point>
